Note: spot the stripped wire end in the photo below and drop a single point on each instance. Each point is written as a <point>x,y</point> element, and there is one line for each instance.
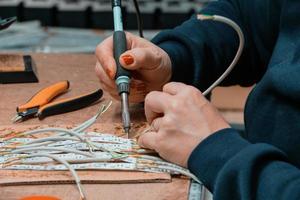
<point>103,109</point>
<point>205,17</point>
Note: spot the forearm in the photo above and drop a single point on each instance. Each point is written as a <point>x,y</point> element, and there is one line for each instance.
<point>233,168</point>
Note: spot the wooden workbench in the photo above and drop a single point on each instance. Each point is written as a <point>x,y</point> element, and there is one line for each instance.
<point>79,70</point>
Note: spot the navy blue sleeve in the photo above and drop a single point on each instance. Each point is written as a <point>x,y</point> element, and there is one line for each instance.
<point>233,168</point>
<point>230,166</point>
<point>201,51</point>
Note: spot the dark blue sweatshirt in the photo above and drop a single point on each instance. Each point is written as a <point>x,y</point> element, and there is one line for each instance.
<point>264,163</point>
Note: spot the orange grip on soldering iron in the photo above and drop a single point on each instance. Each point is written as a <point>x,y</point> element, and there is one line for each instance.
<point>69,104</point>
<point>45,96</point>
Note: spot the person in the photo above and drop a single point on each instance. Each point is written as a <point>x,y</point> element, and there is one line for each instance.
<point>264,162</point>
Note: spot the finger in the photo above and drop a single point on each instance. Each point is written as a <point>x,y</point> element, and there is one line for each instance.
<point>174,88</point>
<point>103,76</point>
<point>156,124</point>
<point>110,90</point>
<point>148,140</point>
<point>141,58</point>
<point>112,93</point>
<point>116,97</point>
<point>104,54</point>
<point>156,103</point>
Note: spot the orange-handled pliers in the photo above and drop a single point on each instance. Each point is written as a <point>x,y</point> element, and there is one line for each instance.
<point>39,105</point>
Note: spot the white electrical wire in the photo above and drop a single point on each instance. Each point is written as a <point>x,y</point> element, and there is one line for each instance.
<point>239,51</point>
<point>21,160</point>
<point>183,172</point>
<point>75,130</point>
<point>52,149</point>
<point>53,139</point>
<point>61,130</point>
<point>74,174</point>
<point>118,157</point>
<point>91,121</point>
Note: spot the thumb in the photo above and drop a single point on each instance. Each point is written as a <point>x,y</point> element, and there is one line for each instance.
<point>141,58</point>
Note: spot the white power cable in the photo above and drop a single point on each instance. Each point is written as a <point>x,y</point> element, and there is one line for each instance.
<point>75,175</point>
<point>239,51</point>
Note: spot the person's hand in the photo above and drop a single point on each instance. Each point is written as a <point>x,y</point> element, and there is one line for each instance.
<point>150,64</point>
<point>180,119</point>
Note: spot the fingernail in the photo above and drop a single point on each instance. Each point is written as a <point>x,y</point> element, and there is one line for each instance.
<point>128,59</point>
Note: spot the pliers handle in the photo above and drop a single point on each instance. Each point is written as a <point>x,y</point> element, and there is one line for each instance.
<point>45,95</point>
<point>39,105</point>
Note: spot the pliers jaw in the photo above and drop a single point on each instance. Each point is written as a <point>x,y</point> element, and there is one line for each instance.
<point>21,116</point>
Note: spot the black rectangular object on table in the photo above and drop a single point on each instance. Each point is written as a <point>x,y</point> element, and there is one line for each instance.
<point>17,69</point>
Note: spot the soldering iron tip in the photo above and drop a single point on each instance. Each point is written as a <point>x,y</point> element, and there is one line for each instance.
<point>126,129</point>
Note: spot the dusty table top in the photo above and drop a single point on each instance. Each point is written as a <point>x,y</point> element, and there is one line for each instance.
<point>79,70</point>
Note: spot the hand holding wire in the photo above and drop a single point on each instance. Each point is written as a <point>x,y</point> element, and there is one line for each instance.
<point>180,117</point>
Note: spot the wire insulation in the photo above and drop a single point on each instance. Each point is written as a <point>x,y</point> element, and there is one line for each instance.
<point>239,51</point>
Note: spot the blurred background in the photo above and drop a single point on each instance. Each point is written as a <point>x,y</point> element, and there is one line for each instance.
<point>77,26</point>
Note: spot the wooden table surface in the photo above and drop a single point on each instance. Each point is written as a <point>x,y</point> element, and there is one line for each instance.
<point>79,70</point>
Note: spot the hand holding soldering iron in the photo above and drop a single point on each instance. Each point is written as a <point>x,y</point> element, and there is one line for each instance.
<point>150,64</point>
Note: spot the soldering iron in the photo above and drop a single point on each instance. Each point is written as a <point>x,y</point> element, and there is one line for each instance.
<point>123,76</point>
<point>120,46</point>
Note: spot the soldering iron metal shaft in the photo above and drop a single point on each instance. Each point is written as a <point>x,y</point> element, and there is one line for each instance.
<point>123,75</point>
<point>125,112</point>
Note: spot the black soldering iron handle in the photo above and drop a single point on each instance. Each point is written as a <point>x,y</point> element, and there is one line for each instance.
<point>120,46</point>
